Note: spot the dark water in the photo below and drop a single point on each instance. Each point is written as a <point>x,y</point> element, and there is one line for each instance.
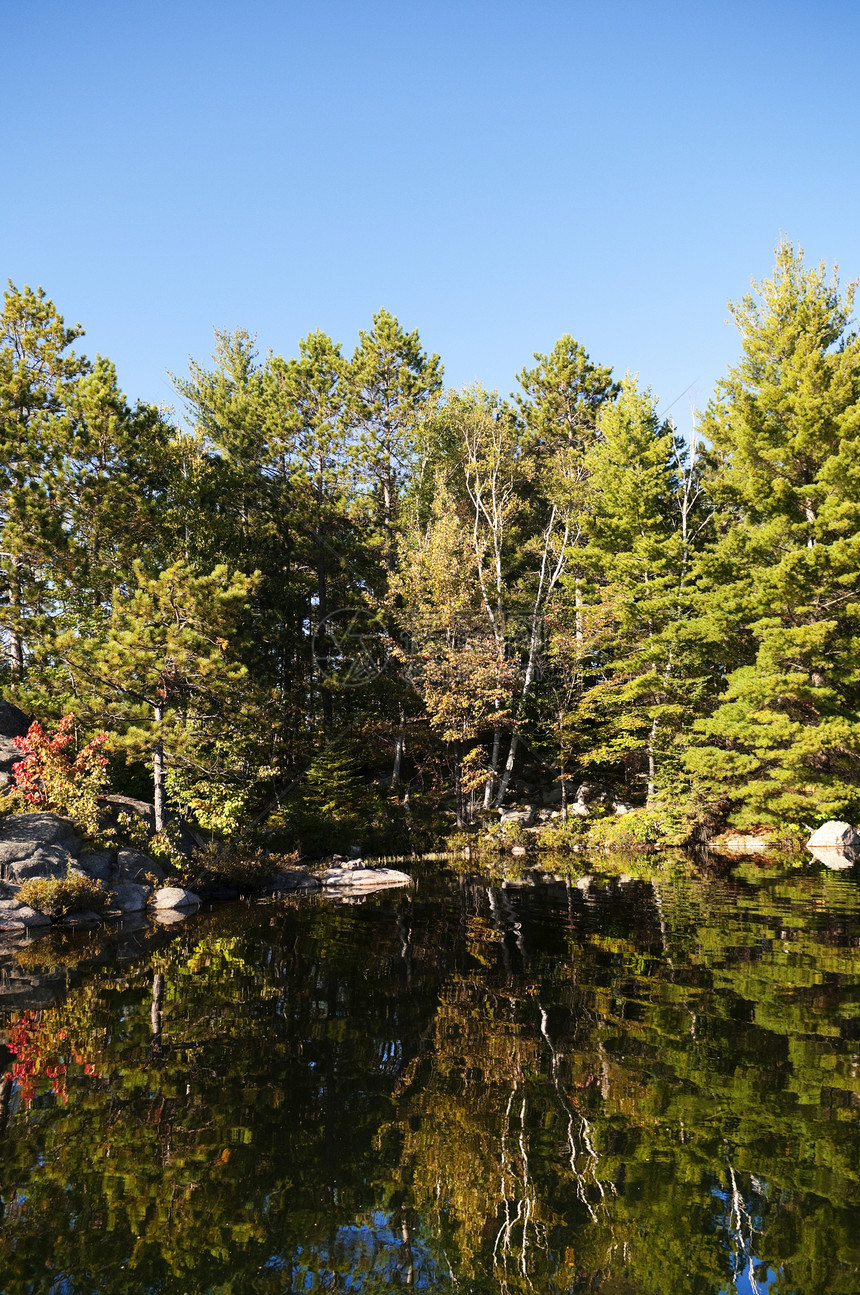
<point>617,1087</point>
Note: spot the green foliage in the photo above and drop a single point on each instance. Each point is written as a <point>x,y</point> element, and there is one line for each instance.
<point>557,573</point>
<point>656,826</point>
<point>779,584</point>
<point>562,835</point>
<point>58,896</point>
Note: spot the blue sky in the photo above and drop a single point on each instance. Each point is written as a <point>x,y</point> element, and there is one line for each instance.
<point>496,174</point>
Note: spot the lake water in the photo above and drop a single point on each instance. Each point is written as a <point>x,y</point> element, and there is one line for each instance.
<point>614,1086</point>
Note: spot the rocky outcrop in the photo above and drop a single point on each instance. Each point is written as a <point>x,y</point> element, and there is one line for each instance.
<point>15,916</point>
<point>36,845</point>
<point>522,817</point>
<point>836,845</point>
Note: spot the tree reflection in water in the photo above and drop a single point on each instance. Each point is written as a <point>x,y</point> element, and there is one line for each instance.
<point>612,1087</point>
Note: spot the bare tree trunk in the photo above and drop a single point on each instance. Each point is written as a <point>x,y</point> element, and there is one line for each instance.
<point>652,762</point>
<point>159,793</point>
<point>399,751</point>
<point>493,769</point>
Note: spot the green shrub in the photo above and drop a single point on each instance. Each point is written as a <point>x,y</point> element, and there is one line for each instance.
<point>58,896</point>
<point>501,836</point>
<point>657,827</point>
<point>558,835</point>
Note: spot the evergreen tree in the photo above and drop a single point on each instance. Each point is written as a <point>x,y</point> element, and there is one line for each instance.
<point>163,676</point>
<point>637,559</point>
<point>781,609</point>
<point>390,380</point>
<point>38,368</point>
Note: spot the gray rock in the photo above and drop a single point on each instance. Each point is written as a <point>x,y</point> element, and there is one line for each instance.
<point>578,809</point>
<point>133,865</point>
<point>175,897</point>
<point>15,915</point>
<point>98,864</point>
<point>50,862</point>
<point>297,879</point>
<point>13,722</point>
<point>128,897</point>
<point>23,835</point>
<point>524,816</point>
<point>593,793</point>
<point>364,879</point>
<point>116,805</point>
<point>10,755</point>
<point>621,808</point>
<point>552,796</point>
<point>839,837</point>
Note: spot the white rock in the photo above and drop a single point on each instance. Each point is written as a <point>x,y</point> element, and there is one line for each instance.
<point>364,878</point>
<point>836,836</point>
<point>175,897</point>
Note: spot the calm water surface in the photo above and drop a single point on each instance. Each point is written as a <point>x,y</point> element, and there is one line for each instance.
<point>615,1086</point>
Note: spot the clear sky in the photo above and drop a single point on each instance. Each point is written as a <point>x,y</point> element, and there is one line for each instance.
<point>495,173</point>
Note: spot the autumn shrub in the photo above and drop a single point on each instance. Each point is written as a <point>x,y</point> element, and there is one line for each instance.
<point>52,775</point>
<point>58,896</point>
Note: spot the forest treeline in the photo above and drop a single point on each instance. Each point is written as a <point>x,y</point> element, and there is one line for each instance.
<point>336,597</point>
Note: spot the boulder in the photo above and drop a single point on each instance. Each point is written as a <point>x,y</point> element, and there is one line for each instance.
<point>174,897</point>
<point>128,897</point>
<point>364,879</point>
<point>98,864</point>
<point>17,916</point>
<point>523,817</point>
<point>836,845</point>
<point>593,793</point>
<point>36,845</point>
<point>134,865</point>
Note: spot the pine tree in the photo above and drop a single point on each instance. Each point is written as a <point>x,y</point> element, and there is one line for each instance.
<point>390,380</point>
<point>781,608</point>
<point>164,675</point>
<point>38,368</point>
<point>638,562</point>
